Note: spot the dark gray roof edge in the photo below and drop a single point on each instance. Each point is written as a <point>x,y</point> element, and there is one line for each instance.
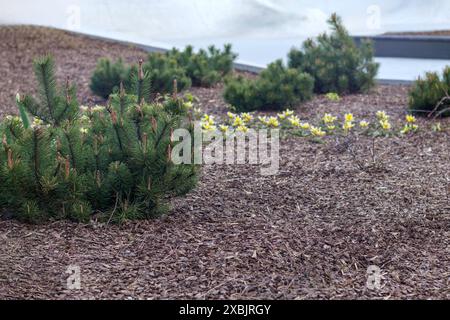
<point>405,38</point>
<point>394,82</point>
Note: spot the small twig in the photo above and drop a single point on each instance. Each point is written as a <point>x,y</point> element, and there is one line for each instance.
<point>115,208</point>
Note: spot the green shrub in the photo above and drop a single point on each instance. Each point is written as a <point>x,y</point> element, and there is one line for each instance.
<point>158,70</point>
<point>276,88</point>
<point>335,62</point>
<point>113,161</point>
<point>163,71</point>
<point>107,77</point>
<point>207,67</point>
<point>431,95</point>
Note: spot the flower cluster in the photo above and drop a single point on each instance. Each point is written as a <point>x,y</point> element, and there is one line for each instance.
<point>329,124</point>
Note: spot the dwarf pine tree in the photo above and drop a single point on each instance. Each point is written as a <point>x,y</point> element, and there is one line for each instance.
<point>335,62</point>
<point>114,161</point>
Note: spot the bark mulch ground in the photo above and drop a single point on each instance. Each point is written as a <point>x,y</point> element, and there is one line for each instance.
<point>309,232</point>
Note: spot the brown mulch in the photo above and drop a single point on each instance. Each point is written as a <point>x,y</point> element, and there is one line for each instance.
<point>76,57</point>
<point>309,232</point>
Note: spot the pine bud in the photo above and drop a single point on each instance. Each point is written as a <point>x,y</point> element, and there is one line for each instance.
<point>154,124</point>
<point>4,141</point>
<point>149,184</point>
<point>169,153</point>
<point>58,144</point>
<point>141,72</point>
<point>144,142</point>
<point>113,117</point>
<point>67,168</point>
<point>122,90</point>
<point>18,99</point>
<point>59,157</point>
<point>171,134</point>
<point>10,159</point>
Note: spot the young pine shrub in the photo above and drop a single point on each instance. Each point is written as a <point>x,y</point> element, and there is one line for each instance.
<point>159,73</point>
<point>207,67</point>
<point>163,70</point>
<point>335,62</point>
<point>431,95</point>
<point>107,77</point>
<point>113,161</point>
<point>276,88</point>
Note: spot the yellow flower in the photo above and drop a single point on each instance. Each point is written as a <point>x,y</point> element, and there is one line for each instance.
<point>348,125</point>
<point>294,121</point>
<point>273,122</point>
<point>349,117</point>
<point>305,126</point>
<point>317,132</point>
<point>223,128</point>
<point>208,127</point>
<point>83,130</point>
<point>231,115</point>
<point>263,120</point>
<point>382,116</point>
<point>247,117</point>
<point>415,127</point>
<point>207,118</point>
<point>385,124</point>
<point>364,124</point>
<point>410,118</point>
<point>243,129</point>
<point>328,118</point>
<point>238,122</point>
<point>285,114</point>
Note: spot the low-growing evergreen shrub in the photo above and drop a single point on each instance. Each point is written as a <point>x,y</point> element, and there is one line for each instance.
<point>276,88</point>
<point>206,67</point>
<point>163,71</point>
<point>431,95</point>
<point>335,62</point>
<point>158,69</point>
<point>107,77</point>
<point>113,161</point>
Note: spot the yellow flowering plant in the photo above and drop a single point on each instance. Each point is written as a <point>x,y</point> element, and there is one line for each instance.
<point>247,117</point>
<point>294,121</point>
<point>349,117</point>
<point>273,122</point>
<point>364,124</point>
<point>317,132</point>
<point>328,118</point>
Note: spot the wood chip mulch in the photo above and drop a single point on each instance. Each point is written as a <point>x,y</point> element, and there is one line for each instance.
<point>309,232</point>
